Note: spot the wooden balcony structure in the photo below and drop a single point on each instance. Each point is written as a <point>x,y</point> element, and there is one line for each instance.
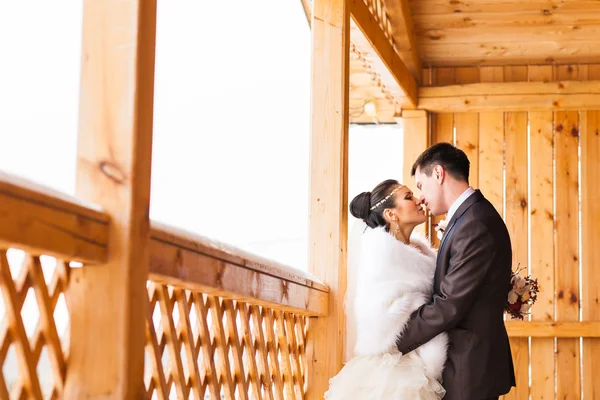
<point>157,313</point>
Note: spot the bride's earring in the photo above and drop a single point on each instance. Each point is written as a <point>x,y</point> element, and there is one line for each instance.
<point>397,225</point>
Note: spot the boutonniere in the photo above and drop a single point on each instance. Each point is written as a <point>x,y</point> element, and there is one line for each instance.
<point>440,228</point>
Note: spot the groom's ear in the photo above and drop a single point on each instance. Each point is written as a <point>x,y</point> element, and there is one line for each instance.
<point>439,174</point>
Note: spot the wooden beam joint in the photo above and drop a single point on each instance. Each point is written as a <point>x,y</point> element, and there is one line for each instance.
<point>383,47</point>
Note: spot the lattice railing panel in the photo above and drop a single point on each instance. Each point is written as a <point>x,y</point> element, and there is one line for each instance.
<point>34,325</point>
<point>207,347</point>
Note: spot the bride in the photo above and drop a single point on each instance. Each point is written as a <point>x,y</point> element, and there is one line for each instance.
<point>390,275</point>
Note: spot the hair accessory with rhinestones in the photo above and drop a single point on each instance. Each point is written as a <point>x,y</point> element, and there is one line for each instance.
<point>386,197</point>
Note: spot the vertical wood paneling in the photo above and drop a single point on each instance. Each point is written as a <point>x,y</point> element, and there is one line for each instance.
<point>590,257</point>
<point>566,135</point>
<point>553,208</point>
<point>542,249</point>
<point>467,139</point>
<point>416,140</point>
<point>566,72</point>
<point>466,126</point>
<point>590,235</point>
<point>464,75</point>
<point>491,157</point>
<point>442,130</point>
<point>443,76</point>
<point>566,138</point>
<point>516,73</point>
<point>540,73</point>
<point>491,147</point>
<point>541,207</point>
<point>517,222</point>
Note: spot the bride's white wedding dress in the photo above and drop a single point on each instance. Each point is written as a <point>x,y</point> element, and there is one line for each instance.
<point>387,281</point>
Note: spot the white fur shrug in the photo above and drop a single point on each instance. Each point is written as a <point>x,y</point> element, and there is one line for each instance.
<point>391,281</point>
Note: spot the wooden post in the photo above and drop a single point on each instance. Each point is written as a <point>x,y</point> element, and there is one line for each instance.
<point>329,185</point>
<point>416,140</point>
<point>108,301</point>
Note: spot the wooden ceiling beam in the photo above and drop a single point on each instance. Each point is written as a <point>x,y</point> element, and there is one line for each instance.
<point>367,23</point>
<point>403,33</point>
<point>385,109</point>
<point>511,96</point>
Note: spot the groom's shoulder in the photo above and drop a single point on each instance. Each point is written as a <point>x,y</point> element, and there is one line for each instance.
<point>485,207</point>
<point>482,207</point>
<point>486,215</point>
<point>483,211</point>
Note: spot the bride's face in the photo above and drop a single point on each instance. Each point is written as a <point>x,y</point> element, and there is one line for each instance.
<point>408,208</point>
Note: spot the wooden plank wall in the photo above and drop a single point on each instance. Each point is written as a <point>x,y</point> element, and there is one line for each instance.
<point>541,170</point>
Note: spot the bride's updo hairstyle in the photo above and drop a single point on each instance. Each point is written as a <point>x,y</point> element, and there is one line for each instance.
<point>369,206</point>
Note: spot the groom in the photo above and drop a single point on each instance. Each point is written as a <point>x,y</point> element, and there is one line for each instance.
<point>471,282</point>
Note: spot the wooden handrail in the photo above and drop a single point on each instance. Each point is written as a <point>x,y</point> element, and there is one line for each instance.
<point>201,264</point>
<point>42,221</point>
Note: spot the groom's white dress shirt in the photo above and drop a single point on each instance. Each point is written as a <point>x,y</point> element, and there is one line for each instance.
<point>457,203</point>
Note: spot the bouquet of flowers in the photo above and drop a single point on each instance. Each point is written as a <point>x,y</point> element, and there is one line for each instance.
<point>522,295</point>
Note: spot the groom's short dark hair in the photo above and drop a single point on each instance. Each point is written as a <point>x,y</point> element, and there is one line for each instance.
<point>452,159</point>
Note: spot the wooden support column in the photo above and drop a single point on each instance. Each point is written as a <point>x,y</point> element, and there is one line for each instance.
<point>328,186</point>
<point>416,140</point>
<point>108,301</point>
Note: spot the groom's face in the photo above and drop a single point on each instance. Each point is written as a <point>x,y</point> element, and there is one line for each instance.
<point>431,192</point>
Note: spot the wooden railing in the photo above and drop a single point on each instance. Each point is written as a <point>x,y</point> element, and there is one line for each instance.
<point>234,325</point>
<point>175,257</point>
<point>213,347</point>
<point>221,323</point>
<point>34,334</point>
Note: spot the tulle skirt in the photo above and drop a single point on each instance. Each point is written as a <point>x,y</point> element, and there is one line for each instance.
<point>387,376</point>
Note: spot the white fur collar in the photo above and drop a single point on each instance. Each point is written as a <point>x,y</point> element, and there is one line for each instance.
<point>388,270</point>
<point>392,281</point>
<point>385,257</point>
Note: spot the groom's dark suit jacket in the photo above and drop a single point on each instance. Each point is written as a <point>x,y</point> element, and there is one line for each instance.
<point>471,285</point>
